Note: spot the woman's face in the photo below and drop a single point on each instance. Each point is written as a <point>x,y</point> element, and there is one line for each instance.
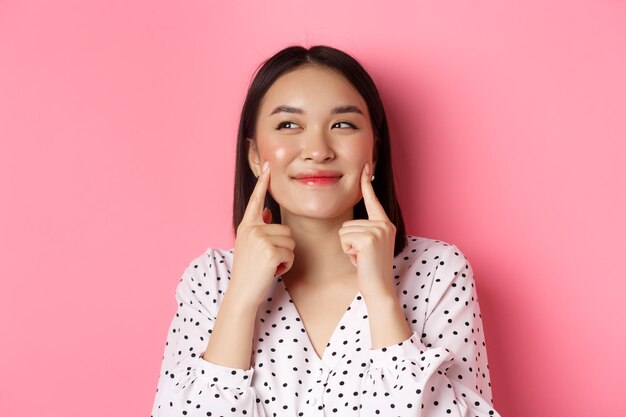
<point>314,129</point>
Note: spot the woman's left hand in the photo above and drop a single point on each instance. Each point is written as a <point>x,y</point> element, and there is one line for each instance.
<point>370,244</point>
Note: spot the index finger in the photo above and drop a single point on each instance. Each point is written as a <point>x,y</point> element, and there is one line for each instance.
<point>254,210</point>
<point>374,210</point>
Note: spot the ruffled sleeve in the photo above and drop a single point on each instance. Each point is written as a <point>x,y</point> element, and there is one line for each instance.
<point>188,384</point>
<point>442,371</point>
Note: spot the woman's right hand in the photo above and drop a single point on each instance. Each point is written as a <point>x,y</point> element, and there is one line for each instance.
<point>262,250</point>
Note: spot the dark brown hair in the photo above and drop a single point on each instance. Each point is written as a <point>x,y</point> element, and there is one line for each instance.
<point>289,59</point>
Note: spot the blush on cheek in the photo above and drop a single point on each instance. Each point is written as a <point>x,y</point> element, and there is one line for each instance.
<point>274,154</point>
<point>279,153</point>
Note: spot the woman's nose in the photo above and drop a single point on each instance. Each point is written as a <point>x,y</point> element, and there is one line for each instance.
<point>316,147</point>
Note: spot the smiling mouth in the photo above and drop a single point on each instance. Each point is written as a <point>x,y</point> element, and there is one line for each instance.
<point>321,180</point>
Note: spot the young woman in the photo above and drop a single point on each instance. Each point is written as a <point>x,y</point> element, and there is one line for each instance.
<point>324,306</point>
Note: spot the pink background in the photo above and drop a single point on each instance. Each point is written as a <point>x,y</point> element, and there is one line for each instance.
<point>117,133</point>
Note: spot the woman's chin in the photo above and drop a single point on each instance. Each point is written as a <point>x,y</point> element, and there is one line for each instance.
<point>319,212</point>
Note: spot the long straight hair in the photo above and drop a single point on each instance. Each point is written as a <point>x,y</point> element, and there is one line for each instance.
<point>287,60</point>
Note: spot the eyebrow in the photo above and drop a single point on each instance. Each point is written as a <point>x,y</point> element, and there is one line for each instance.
<point>348,108</point>
<point>287,109</point>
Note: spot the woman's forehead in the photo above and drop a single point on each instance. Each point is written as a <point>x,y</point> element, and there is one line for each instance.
<point>311,87</point>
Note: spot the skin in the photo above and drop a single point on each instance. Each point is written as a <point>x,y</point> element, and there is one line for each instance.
<point>324,255</point>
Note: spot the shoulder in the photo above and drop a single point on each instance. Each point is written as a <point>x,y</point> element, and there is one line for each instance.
<point>429,270</point>
<point>425,260</point>
<point>212,259</point>
<point>206,278</point>
<point>427,249</point>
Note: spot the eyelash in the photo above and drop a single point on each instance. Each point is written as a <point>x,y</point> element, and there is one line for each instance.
<point>348,123</point>
<point>281,125</point>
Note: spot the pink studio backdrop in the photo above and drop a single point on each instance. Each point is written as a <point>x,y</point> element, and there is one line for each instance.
<point>117,133</point>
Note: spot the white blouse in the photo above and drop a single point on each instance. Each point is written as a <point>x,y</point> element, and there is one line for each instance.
<point>441,370</point>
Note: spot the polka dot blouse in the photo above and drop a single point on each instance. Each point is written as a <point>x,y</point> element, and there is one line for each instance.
<point>440,370</point>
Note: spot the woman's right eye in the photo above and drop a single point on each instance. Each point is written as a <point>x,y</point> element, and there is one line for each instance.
<point>287,125</point>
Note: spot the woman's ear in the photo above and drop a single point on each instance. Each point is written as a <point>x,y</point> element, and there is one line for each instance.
<point>253,157</point>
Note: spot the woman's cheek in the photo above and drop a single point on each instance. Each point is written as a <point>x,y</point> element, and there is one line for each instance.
<point>276,156</point>
<point>279,153</point>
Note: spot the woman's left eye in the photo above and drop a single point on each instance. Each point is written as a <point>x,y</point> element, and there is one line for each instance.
<point>286,125</point>
<point>343,125</point>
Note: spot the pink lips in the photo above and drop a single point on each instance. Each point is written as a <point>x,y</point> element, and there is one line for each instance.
<point>318,177</point>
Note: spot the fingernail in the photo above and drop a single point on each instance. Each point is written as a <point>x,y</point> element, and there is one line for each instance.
<point>367,168</point>
<point>266,165</point>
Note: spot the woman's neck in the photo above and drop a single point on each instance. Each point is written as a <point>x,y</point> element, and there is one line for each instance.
<point>318,256</point>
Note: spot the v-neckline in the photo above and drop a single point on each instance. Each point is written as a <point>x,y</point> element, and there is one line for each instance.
<point>333,335</point>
